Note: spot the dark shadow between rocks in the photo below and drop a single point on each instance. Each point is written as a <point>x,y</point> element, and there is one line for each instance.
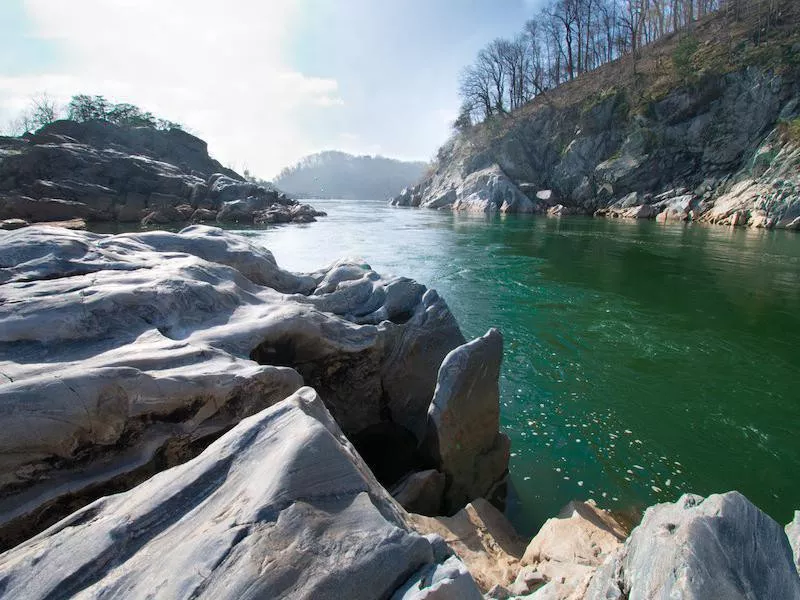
<point>390,450</point>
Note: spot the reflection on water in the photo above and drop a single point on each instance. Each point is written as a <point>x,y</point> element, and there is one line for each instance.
<point>642,360</point>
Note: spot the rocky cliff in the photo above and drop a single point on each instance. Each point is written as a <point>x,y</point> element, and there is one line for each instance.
<point>646,137</point>
<point>98,171</point>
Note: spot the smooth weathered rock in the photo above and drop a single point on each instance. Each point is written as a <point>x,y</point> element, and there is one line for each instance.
<point>581,533</point>
<point>464,421</point>
<point>793,533</point>
<point>447,581</point>
<point>527,581</point>
<point>482,538</point>
<point>421,492</point>
<point>549,197</point>
<point>122,354</point>
<point>11,224</point>
<point>281,506</point>
<point>718,547</point>
<point>486,190</point>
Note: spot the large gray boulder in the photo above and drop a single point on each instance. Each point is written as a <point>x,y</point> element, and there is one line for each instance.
<point>122,355</point>
<point>793,533</point>
<point>490,190</point>
<point>464,422</point>
<point>281,506</point>
<point>718,547</point>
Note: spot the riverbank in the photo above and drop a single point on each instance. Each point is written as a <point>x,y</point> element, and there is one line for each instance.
<point>702,125</point>
<point>192,352</point>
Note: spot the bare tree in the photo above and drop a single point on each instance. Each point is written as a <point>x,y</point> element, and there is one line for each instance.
<point>41,110</point>
<point>570,37</point>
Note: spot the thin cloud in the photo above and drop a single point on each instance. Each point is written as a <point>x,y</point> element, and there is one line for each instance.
<point>216,67</point>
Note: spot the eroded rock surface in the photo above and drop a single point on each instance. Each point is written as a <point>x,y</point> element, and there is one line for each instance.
<point>122,355</point>
<point>281,506</point>
<point>793,533</point>
<point>464,422</point>
<point>718,547</point>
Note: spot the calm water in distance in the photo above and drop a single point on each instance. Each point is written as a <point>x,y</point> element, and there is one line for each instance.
<point>641,360</point>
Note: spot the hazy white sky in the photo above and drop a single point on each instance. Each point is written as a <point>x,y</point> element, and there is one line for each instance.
<point>263,81</point>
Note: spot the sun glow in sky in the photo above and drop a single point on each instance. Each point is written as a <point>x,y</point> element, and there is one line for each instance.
<point>264,82</point>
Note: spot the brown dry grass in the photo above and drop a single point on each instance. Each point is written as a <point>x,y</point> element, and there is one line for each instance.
<point>722,46</point>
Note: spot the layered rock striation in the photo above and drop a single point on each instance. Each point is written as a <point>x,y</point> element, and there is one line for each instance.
<point>123,355</point>
<point>98,171</point>
<point>281,506</point>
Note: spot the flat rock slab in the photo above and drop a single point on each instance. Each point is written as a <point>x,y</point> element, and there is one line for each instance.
<point>281,506</point>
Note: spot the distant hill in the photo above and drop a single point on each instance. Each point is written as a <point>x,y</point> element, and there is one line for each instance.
<point>334,174</point>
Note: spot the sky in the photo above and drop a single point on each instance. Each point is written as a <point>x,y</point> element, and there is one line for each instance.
<point>264,82</point>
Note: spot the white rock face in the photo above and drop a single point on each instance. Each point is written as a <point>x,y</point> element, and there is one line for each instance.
<point>281,506</point>
<point>117,351</point>
<point>464,420</point>
<point>793,533</point>
<point>695,549</point>
<point>486,190</point>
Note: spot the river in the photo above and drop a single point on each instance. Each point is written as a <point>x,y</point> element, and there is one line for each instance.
<point>641,360</point>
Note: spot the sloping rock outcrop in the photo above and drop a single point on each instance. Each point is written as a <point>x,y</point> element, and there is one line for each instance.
<point>718,547</point>
<point>793,533</point>
<point>720,144</point>
<point>464,422</point>
<point>123,355</point>
<point>99,171</point>
<point>281,506</point>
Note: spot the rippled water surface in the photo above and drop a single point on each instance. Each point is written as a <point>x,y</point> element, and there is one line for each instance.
<point>641,360</point>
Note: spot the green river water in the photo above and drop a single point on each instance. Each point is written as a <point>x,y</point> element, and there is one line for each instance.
<point>641,360</point>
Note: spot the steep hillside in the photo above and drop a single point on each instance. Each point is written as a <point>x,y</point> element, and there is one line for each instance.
<point>704,124</point>
<point>335,174</point>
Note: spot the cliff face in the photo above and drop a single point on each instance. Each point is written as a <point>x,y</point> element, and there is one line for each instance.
<point>643,138</point>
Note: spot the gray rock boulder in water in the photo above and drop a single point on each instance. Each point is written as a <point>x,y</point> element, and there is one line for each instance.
<point>464,420</point>
<point>281,506</point>
<point>793,533</point>
<point>696,549</point>
<point>123,355</point>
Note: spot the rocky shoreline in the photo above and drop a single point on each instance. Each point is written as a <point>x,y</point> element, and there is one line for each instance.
<point>97,171</point>
<point>718,145</point>
<point>182,418</point>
